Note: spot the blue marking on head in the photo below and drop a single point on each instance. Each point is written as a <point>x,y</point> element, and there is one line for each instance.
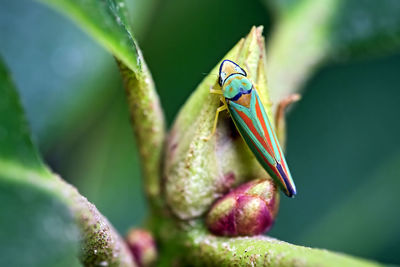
<point>238,95</point>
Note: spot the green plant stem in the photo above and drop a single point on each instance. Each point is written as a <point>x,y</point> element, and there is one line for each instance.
<point>148,125</point>
<point>108,23</point>
<point>261,251</point>
<point>101,242</point>
<point>194,245</point>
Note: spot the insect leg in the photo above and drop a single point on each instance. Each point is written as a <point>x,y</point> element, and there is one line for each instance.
<point>221,108</point>
<point>216,91</point>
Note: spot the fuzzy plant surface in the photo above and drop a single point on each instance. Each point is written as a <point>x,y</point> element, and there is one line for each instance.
<point>47,222</point>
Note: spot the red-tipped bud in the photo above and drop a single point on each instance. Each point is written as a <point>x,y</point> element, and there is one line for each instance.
<point>142,246</point>
<point>248,210</point>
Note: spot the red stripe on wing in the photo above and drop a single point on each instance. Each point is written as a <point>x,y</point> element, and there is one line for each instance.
<point>264,126</point>
<point>267,136</point>
<point>250,124</point>
<point>282,161</point>
<point>272,167</point>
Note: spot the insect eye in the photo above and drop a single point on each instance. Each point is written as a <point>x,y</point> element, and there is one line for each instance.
<point>223,75</point>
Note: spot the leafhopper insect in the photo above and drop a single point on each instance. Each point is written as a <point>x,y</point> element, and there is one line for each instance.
<point>241,99</point>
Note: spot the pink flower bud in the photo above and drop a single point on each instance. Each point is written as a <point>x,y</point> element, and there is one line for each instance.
<point>248,210</point>
<point>142,246</point>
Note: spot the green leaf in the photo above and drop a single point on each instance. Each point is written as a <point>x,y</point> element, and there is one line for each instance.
<point>107,22</point>
<point>45,222</point>
<point>37,229</point>
<point>15,142</point>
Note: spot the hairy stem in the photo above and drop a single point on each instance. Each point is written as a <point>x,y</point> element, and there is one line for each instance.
<point>206,249</point>
<point>193,245</point>
<point>148,125</point>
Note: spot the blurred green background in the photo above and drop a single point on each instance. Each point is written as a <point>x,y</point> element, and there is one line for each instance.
<point>343,145</point>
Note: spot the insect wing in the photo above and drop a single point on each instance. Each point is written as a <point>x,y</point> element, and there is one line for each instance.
<point>253,124</point>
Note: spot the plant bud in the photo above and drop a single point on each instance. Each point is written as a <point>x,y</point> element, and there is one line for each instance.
<point>198,170</point>
<point>248,210</point>
<point>142,247</point>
